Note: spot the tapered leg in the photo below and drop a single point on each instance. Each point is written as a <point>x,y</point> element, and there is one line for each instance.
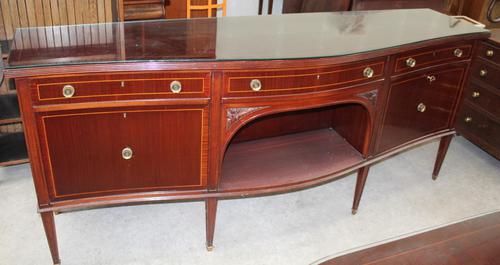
<point>50,233</point>
<point>210,211</point>
<point>443,148</point>
<point>360,185</point>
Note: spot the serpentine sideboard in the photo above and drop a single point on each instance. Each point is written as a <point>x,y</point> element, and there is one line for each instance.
<point>210,109</point>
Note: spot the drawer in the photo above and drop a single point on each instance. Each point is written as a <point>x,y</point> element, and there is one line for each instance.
<point>418,59</point>
<point>117,151</point>
<point>420,105</point>
<point>486,98</point>
<point>475,124</point>
<point>124,86</point>
<point>486,72</point>
<point>290,81</point>
<point>489,52</point>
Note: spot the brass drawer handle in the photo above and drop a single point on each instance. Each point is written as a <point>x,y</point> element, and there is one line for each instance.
<point>368,72</point>
<point>475,94</point>
<point>483,72</point>
<point>255,85</point>
<point>68,91</point>
<point>458,53</point>
<point>421,107</point>
<point>410,62</point>
<point>127,153</point>
<point>490,53</point>
<point>468,119</point>
<point>175,87</point>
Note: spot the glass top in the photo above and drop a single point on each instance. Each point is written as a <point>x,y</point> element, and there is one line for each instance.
<point>292,36</point>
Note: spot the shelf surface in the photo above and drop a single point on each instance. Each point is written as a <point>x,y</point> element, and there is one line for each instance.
<point>286,160</point>
<point>12,148</point>
<point>9,107</point>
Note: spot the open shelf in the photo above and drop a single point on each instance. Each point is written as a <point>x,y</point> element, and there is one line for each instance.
<point>12,149</point>
<point>9,109</point>
<point>286,160</point>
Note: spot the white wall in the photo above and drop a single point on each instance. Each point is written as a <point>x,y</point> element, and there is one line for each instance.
<point>251,7</point>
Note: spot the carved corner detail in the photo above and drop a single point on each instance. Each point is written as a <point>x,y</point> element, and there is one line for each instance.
<point>370,95</point>
<point>235,114</point>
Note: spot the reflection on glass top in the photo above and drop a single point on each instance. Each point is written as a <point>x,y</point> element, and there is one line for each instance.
<point>292,36</point>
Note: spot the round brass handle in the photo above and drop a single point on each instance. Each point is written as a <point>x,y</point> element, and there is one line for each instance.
<point>468,119</point>
<point>255,85</point>
<point>489,53</point>
<point>368,72</point>
<point>68,91</point>
<point>475,94</point>
<point>483,73</point>
<point>421,107</point>
<point>410,62</point>
<point>458,52</point>
<point>175,86</point>
<point>127,153</point>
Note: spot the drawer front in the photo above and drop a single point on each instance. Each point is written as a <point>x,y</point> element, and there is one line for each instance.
<point>486,98</point>
<point>118,151</point>
<point>431,56</point>
<point>486,72</point>
<point>489,52</point>
<point>275,82</point>
<point>474,124</point>
<point>120,86</point>
<point>420,105</point>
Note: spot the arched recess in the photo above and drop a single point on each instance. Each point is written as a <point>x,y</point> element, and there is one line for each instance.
<point>274,146</point>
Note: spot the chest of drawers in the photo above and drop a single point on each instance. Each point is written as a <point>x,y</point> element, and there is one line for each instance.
<point>479,116</point>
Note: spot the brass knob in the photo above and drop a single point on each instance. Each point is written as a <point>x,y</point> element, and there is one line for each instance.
<point>489,53</point>
<point>421,107</point>
<point>483,73</point>
<point>458,52</point>
<point>175,86</point>
<point>68,91</point>
<point>468,119</point>
<point>255,85</point>
<point>127,153</point>
<point>410,62</point>
<point>475,94</point>
<point>368,72</point>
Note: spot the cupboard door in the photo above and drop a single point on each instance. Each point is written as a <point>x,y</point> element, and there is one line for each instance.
<point>420,105</point>
<point>124,150</point>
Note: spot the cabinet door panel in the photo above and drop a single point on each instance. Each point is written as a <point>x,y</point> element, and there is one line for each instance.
<point>419,105</point>
<point>120,151</point>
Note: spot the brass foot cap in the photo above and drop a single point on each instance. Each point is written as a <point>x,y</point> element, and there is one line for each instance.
<point>434,177</point>
<point>354,211</point>
<point>210,248</point>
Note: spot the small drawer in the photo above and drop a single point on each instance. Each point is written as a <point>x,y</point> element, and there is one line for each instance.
<point>489,52</point>
<point>486,72</point>
<point>485,98</point>
<point>427,57</point>
<point>84,88</point>
<point>291,81</point>
<point>471,121</point>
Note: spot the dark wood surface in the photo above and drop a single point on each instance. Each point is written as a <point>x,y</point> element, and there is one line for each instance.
<point>403,121</point>
<point>12,149</point>
<point>303,6</point>
<point>438,5</point>
<point>313,120</point>
<point>280,161</point>
<point>473,241</point>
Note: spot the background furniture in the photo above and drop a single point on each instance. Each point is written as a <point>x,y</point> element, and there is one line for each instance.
<point>141,9</point>
<point>210,8</point>
<point>239,121</point>
<point>479,117</point>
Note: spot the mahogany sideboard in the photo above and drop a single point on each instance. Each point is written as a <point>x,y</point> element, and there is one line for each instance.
<point>210,109</point>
